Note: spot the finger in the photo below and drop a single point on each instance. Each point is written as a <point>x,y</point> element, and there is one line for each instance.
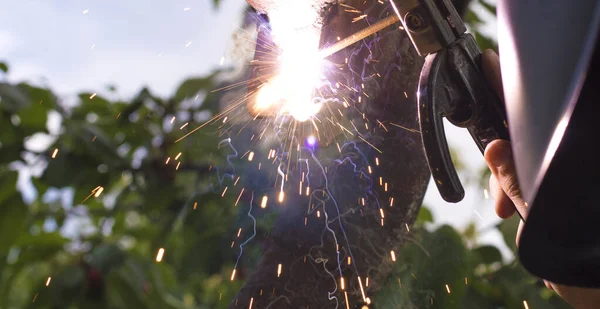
<point>498,156</point>
<point>490,63</point>
<point>503,205</point>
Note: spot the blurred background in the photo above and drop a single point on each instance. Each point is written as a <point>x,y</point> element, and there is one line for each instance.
<point>92,96</point>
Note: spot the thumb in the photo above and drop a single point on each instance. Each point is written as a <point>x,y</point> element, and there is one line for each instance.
<point>498,155</point>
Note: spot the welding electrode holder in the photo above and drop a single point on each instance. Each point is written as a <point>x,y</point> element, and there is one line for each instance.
<point>452,85</point>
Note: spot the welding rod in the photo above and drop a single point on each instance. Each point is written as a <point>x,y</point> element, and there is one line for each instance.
<point>339,45</point>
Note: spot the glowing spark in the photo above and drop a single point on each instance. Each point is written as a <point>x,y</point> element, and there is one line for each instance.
<point>195,205</point>
<point>393,254</point>
<point>407,229</point>
<point>368,301</point>
<point>367,282</point>
<point>477,213</point>
<point>466,281</point>
<point>376,161</point>
<point>188,44</point>
<point>54,153</point>
<point>342,284</point>
<point>448,288</point>
<point>251,301</point>
<point>223,194</point>
<point>525,304</point>
<point>385,187</point>
<point>233,274</point>
<point>236,181</point>
<point>238,199</point>
<point>93,95</point>
<point>160,254</point>
<point>370,170</point>
<point>347,302</point>
<point>168,160</point>
<point>177,156</point>
<point>34,297</point>
<point>349,260</point>
<point>239,232</point>
<point>85,12</point>
<point>318,214</point>
<point>98,191</point>
<point>281,195</point>
<point>405,128</point>
<point>187,9</point>
<point>173,119</point>
<point>307,191</point>
<point>380,181</point>
<point>48,281</point>
<point>251,156</point>
<point>184,125</point>
<point>381,212</point>
<point>392,202</point>
<point>263,203</point>
<point>177,167</point>
<point>362,291</point>
<point>278,270</point>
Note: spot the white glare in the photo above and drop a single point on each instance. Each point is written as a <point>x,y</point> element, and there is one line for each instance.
<point>299,74</point>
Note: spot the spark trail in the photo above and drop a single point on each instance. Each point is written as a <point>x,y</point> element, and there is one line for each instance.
<point>228,158</point>
<point>247,240</point>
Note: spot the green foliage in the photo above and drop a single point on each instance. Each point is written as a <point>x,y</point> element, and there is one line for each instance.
<point>437,270</point>
<point>145,204</point>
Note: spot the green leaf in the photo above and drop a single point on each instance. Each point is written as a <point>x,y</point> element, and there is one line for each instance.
<point>41,240</point>
<point>508,229</point>
<point>490,7</point>
<point>485,42</point>
<point>488,254</point>
<point>472,19</point>
<point>34,117</point>
<point>193,86</point>
<point>13,98</point>
<point>424,216</point>
<point>93,103</point>
<point>4,67</point>
<point>68,285</point>
<point>107,257</point>
<point>13,211</point>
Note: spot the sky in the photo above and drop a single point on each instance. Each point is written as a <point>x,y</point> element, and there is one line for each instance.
<point>83,45</point>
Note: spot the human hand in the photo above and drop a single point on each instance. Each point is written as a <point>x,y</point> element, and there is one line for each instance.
<point>505,190</point>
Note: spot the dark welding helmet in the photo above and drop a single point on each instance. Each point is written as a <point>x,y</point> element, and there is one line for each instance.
<point>551,73</point>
